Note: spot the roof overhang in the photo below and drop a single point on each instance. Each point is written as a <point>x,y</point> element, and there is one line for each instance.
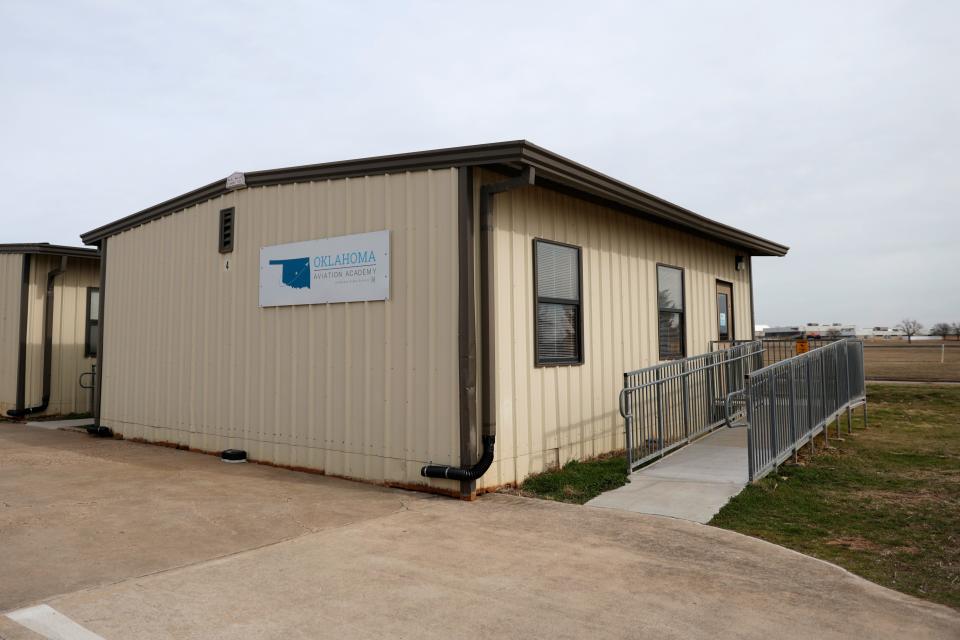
<point>552,170</point>
<point>44,248</point>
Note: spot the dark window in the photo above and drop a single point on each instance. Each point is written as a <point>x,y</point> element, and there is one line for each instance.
<point>558,325</point>
<point>723,318</point>
<point>226,230</point>
<point>670,311</point>
<point>92,333</point>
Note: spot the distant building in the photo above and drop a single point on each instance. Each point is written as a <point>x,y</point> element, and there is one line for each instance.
<point>881,332</point>
<point>834,330</point>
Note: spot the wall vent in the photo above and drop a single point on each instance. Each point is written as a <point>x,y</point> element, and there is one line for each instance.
<point>226,230</point>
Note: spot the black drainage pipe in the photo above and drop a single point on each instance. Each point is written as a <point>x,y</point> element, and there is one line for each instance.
<point>47,345</point>
<point>460,473</point>
<point>488,416</point>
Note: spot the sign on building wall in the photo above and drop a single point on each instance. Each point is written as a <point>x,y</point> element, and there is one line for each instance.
<point>351,268</point>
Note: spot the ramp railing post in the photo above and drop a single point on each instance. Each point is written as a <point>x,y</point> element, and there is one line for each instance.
<point>793,417</point>
<point>774,449</point>
<point>629,421</point>
<point>686,399</point>
<point>659,412</point>
<point>809,398</point>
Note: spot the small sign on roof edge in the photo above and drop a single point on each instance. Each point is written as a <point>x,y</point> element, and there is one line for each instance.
<point>236,180</point>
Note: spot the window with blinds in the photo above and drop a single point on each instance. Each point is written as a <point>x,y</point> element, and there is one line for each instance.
<point>558,325</point>
<point>670,312</point>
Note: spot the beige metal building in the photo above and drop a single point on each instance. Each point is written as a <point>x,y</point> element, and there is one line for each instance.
<point>48,328</point>
<point>384,318</point>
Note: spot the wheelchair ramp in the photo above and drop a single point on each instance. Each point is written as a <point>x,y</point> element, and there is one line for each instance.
<point>693,483</point>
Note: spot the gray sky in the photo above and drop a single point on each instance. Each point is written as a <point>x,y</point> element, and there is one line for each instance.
<point>833,127</point>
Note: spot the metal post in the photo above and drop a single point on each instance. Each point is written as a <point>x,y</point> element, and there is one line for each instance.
<point>775,449</point>
<point>629,421</point>
<point>751,465</point>
<point>836,384</point>
<point>712,394</point>
<point>793,419</point>
<point>686,400</point>
<point>823,400</point>
<point>659,412</point>
<point>806,363</point>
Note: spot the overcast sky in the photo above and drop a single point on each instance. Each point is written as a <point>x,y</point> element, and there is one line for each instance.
<point>832,127</point>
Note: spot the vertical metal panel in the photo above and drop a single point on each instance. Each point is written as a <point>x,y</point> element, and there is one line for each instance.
<point>365,390</point>
<point>548,415</point>
<point>69,320</point>
<point>69,336</point>
<point>11,265</point>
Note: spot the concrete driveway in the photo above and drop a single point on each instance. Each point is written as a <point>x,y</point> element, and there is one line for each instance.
<point>134,541</point>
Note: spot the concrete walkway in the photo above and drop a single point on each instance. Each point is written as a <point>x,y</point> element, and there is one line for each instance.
<point>60,424</point>
<point>125,540</point>
<point>693,483</point>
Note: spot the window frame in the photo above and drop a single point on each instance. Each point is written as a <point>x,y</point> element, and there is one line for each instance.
<point>88,322</point>
<point>682,311</point>
<point>537,361</point>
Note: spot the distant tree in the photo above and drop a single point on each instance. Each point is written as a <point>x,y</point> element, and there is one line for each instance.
<point>942,329</point>
<point>955,330</point>
<point>833,333</point>
<point>910,328</point>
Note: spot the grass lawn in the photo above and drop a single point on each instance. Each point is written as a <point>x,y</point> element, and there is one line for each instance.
<point>578,482</point>
<point>884,503</point>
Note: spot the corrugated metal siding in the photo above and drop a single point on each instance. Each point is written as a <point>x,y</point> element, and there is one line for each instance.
<point>69,318</point>
<point>554,414</point>
<point>365,390</point>
<point>69,337</point>
<point>11,266</point>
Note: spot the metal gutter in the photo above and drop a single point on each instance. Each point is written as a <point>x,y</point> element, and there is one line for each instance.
<point>551,167</point>
<point>43,248</point>
<point>580,177</point>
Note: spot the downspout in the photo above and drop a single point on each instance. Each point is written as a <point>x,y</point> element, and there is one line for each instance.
<point>47,345</point>
<point>22,348</point>
<point>487,319</point>
<point>753,321</point>
<point>97,428</point>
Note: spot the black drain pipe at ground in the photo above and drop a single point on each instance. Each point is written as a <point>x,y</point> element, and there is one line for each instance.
<point>47,345</point>
<point>487,318</point>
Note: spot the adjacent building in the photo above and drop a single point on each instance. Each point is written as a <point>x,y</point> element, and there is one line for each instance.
<point>451,320</point>
<point>49,315</point>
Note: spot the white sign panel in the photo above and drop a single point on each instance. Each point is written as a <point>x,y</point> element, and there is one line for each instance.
<point>342,269</point>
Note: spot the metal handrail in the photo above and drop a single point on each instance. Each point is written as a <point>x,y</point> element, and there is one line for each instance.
<point>726,408</point>
<point>678,376</point>
<point>669,404</point>
<point>790,402</point>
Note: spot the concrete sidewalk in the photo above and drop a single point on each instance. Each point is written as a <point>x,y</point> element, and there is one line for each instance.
<point>692,483</point>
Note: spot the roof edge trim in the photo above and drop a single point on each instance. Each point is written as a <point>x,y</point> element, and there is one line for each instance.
<point>549,165</point>
<point>44,248</point>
